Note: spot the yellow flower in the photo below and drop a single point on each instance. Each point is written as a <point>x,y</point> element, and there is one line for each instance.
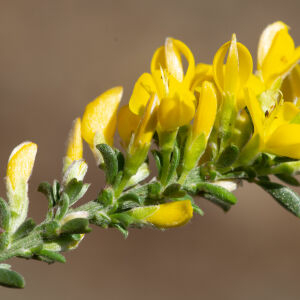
<point>172,214</point>
<point>99,118</point>
<point>277,54</point>
<point>74,146</point>
<point>278,131</point>
<point>172,86</point>
<point>19,169</point>
<point>233,76</point>
<point>127,124</point>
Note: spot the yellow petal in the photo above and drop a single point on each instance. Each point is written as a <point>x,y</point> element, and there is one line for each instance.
<point>142,90</point>
<point>285,141</point>
<point>100,116</point>
<point>172,214</point>
<point>176,111</point>
<point>257,114</point>
<point>147,125</point>
<point>173,60</point>
<point>206,110</point>
<point>291,85</point>
<point>21,162</point>
<point>266,40</point>
<point>159,60</point>
<point>74,150</point>
<point>237,70</point>
<point>127,124</point>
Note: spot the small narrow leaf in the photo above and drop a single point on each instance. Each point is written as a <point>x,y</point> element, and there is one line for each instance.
<point>78,225</point>
<point>158,161</point>
<point>51,255</point>
<point>289,179</point>
<point>174,163</point>
<point>174,190</point>
<point>24,229</point>
<point>228,156</point>
<point>11,278</point>
<point>63,207</point>
<point>217,192</point>
<point>4,214</point>
<point>217,201</point>
<point>106,197</point>
<point>283,195</point>
<point>111,162</point>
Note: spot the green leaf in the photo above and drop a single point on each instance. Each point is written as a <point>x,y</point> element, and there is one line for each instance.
<point>222,204</point>
<point>111,162</point>
<point>121,160</point>
<point>174,190</point>
<point>141,213</point>
<point>174,163</point>
<point>75,190</point>
<point>63,207</point>
<point>4,214</point>
<point>50,229</point>
<point>124,219</point>
<point>78,225</point>
<point>12,279</point>
<point>289,179</point>
<point>46,189</point>
<point>217,192</point>
<point>123,230</point>
<point>25,228</point>
<point>106,197</point>
<point>130,197</point>
<point>283,195</point>
<point>4,240</point>
<point>154,189</point>
<point>55,192</point>
<point>158,160</point>
<point>228,156</point>
<point>51,255</point>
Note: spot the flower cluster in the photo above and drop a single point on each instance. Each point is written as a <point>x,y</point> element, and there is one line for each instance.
<point>207,126</point>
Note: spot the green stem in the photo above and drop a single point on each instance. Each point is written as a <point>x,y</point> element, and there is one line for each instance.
<point>166,155</point>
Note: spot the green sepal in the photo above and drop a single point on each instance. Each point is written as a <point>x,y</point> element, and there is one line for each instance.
<point>11,279</point>
<point>4,214</point>
<point>78,225</point>
<point>174,190</point>
<point>289,179</point>
<point>63,207</point>
<point>46,189</point>
<point>217,192</point>
<point>51,255</point>
<point>75,190</point>
<point>111,162</point>
<point>24,229</point>
<point>130,196</point>
<point>283,195</point>
<point>228,156</point>
<point>158,161</point>
<point>106,197</point>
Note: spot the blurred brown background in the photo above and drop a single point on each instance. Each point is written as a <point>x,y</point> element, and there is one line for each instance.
<point>55,57</point>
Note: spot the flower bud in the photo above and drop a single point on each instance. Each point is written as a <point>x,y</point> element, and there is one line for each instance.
<point>19,169</point>
<point>100,118</point>
<point>74,147</point>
